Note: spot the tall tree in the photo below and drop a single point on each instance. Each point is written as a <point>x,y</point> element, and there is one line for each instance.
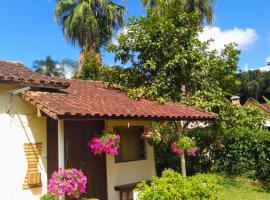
<point>48,67</point>
<point>89,23</point>
<point>166,47</point>
<point>204,8</point>
<point>251,84</point>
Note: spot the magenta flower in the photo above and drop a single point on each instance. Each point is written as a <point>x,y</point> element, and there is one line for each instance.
<point>70,182</point>
<point>107,143</point>
<point>176,150</point>
<point>192,151</point>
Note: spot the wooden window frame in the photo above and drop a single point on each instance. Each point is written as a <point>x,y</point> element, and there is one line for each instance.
<point>144,146</point>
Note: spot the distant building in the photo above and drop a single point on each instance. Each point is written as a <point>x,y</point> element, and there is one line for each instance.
<point>262,106</point>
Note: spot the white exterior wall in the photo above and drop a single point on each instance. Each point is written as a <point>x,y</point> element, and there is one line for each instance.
<point>128,172</point>
<point>21,125</point>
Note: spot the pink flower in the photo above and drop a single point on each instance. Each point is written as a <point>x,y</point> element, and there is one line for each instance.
<point>108,143</point>
<point>176,150</point>
<point>70,182</point>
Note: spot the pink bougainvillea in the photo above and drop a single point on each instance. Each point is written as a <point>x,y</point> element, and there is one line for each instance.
<point>192,151</point>
<point>185,144</point>
<point>107,143</point>
<point>176,150</point>
<point>70,182</point>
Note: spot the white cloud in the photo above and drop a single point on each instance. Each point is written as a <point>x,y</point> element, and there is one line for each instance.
<point>267,60</point>
<point>245,67</point>
<point>264,68</point>
<point>242,37</point>
<point>119,32</point>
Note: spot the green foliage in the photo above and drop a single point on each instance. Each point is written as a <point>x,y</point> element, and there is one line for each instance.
<point>266,100</point>
<point>186,143</point>
<point>229,115</point>
<point>245,152</point>
<point>172,186</point>
<point>238,151</point>
<point>89,23</point>
<point>47,67</point>
<point>48,197</point>
<point>153,133</point>
<point>51,67</point>
<point>91,69</point>
<point>254,84</point>
<point>166,54</point>
<point>205,9</point>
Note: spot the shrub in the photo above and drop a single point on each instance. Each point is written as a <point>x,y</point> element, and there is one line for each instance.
<point>239,151</point>
<point>245,152</point>
<point>172,186</point>
<point>48,197</point>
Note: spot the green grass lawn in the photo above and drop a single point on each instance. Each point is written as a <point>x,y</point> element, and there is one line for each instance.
<point>243,189</point>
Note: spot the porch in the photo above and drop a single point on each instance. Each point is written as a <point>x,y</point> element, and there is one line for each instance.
<point>108,177</point>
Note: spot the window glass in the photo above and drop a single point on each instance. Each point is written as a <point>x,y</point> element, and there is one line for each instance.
<point>132,146</point>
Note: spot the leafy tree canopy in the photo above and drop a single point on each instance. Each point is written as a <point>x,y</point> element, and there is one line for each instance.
<point>255,84</point>
<point>89,23</point>
<point>203,8</point>
<point>166,54</point>
<point>54,68</point>
<point>170,63</point>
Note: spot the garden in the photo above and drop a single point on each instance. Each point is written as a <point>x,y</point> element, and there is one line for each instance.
<point>228,158</point>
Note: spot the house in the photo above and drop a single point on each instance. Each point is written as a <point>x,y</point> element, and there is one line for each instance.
<point>46,123</point>
<point>265,108</point>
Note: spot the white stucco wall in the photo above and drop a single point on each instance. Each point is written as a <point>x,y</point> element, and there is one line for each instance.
<point>128,172</point>
<point>20,125</point>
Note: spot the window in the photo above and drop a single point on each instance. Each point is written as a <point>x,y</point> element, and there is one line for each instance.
<point>132,146</point>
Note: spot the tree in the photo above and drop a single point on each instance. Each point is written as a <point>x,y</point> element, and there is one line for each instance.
<point>170,63</point>
<point>47,67</point>
<point>89,23</point>
<point>68,67</point>
<point>50,67</point>
<point>204,8</point>
<point>166,55</point>
<point>251,84</point>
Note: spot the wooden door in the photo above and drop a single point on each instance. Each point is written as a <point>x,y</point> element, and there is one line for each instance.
<point>77,135</point>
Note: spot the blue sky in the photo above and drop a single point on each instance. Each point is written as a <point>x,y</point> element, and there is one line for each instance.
<point>29,32</point>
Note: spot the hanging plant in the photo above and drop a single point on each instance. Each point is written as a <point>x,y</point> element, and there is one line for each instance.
<point>70,182</point>
<point>108,143</point>
<point>184,144</point>
<point>153,134</point>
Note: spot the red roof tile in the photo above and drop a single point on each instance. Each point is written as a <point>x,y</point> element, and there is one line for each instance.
<point>266,107</point>
<point>90,99</point>
<point>18,73</point>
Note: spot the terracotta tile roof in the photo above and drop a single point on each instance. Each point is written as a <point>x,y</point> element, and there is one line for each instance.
<point>90,99</point>
<point>18,73</point>
<point>266,107</point>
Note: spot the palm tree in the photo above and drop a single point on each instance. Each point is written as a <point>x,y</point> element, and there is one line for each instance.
<point>204,8</point>
<point>251,84</point>
<point>89,23</point>
<point>48,67</point>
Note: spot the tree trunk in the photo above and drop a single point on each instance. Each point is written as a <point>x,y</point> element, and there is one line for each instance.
<point>180,126</point>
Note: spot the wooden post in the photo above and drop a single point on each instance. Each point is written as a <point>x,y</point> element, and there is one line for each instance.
<point>61,147</point>
<point>180,128</point>
<point>61,144</point>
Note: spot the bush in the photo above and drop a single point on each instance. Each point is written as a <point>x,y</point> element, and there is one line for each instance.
<point>239,151</point>
<point>48,197</point>
<point>245,152</point>
<point>172,186</point>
